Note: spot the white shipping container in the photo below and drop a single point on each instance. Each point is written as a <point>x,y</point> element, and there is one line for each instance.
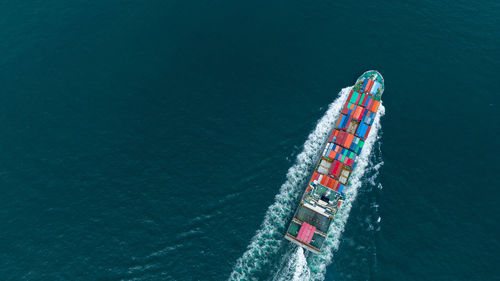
<point>322,170</point>
<point>343,180</point>
<point>325,164</point>
<point>374,88</point>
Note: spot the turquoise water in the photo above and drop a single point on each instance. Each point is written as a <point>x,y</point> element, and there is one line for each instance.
<point>148,140</point>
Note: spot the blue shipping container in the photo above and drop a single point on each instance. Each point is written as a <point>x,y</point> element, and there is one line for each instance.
<point>359,130</point>
<point>366,102</point>
<point>342,121</point>
<point>364,85</point>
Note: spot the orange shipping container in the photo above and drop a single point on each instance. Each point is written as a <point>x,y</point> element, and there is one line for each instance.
<point>329,182</point>
<point>358,111</point>
<point>375,105</point>
<point>348,140</point>
<point>332,154</point>
<point>315,176</point>
<point>323,180</point>
<point>332,183</point>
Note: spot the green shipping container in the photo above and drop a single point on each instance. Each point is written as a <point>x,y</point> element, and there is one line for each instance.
<point>361,99</point>
<point>354,97</point>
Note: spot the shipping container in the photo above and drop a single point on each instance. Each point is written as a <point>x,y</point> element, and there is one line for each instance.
<point>370,104</point>
<point>354,97</point>
<point>349,97</point>
<point>362,99</point>
<point>357,112</point>
<point>348,140</point>
<point>351,129</point>
<point>369,86</point>
<point>375,105</point>
<point>345,173</point>
<point>364,84</point>
<point>365,104</point>
<point>367,131</point>
<point>375,88</point>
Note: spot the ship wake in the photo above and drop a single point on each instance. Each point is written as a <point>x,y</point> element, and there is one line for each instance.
<point>268,240</point>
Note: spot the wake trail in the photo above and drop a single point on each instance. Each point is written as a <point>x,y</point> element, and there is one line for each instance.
<point>269,238</point>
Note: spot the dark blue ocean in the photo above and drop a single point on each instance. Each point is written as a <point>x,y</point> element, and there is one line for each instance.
<point>169,140</point>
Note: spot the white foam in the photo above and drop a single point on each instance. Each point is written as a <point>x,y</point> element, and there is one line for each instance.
<point>269,238</point>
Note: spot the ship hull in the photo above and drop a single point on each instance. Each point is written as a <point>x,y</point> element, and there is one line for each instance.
<point>324,192</point>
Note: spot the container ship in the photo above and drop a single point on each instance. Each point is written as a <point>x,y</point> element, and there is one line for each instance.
<point>324,191</point>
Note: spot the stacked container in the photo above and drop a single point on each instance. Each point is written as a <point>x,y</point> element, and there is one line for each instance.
<point>348,137</point>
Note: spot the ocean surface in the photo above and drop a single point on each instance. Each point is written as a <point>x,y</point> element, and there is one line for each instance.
<point>169,140</point>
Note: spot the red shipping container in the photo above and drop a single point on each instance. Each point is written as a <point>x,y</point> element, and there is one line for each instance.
<point>343,138</point>
<point>335,166</point>
<point>349,97</point>
<point>332,167</point>
<point>332,135</point>
<point>345,161</point>
<point>337,140</point>
<point>345,110</point>
<point>339,168</point>
<point>335,169</point>
<point>340,138</point>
